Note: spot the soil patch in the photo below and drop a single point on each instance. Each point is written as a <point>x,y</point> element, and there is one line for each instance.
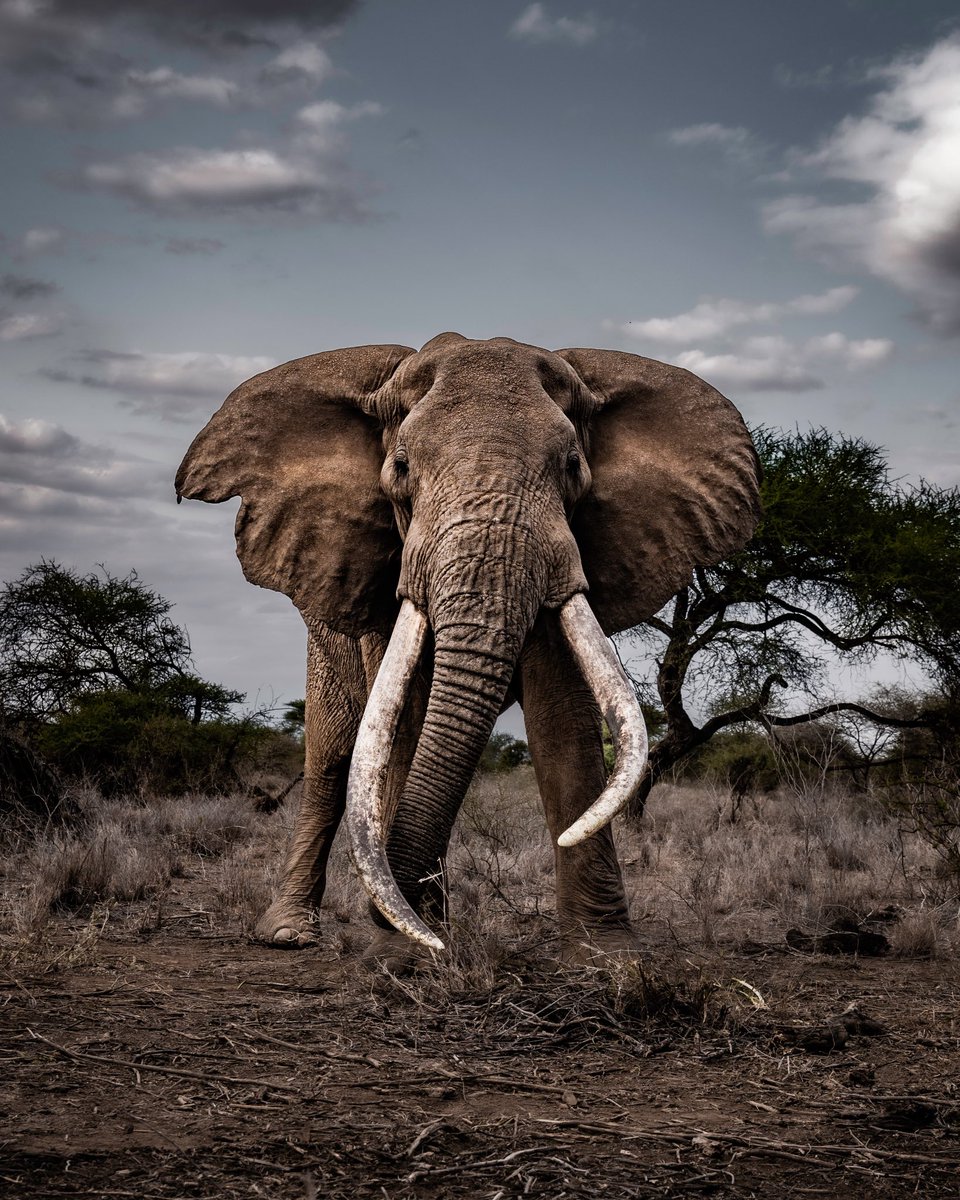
<point>192,1065</point>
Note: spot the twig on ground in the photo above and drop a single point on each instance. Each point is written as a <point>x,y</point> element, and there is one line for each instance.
<point>137,1067</point>
<point>338,1055</point>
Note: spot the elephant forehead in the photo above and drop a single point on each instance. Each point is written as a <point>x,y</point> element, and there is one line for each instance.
<point>500,359</point>
<point>461,408</point>
<point>467,367</point>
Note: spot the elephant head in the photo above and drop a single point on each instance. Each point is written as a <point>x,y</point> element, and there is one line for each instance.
<point>470,485</point>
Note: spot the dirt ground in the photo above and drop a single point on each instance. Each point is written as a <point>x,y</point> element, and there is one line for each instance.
<point>175,1061</point>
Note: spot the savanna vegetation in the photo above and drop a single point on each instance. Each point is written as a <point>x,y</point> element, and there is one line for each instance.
<point>98,682</point>
<point>794,876</point>
<point>847,566</point>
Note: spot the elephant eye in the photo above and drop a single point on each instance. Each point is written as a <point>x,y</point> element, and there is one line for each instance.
<point>574,462</point>
<point>400,464</point>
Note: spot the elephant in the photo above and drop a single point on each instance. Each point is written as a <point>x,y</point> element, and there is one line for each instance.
<point>459,527</point>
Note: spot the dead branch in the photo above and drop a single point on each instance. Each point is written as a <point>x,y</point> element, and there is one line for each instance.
<point>137,1067</point>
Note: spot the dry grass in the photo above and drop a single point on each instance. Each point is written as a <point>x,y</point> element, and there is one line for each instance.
<point>119,853</point>
<point>803,857</point>
<point>806,857</point>
<point>151,1052</point>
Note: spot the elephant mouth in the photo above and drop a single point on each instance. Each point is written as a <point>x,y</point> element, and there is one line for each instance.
<point>366,786</point>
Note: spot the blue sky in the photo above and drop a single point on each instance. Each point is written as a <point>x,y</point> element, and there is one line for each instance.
<point>766,193</point>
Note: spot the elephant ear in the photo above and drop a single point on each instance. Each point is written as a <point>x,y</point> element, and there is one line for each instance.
<point>675,483</point>
<point>300,448</point>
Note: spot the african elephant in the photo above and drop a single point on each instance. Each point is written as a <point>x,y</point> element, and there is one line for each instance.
<point>474,516</point>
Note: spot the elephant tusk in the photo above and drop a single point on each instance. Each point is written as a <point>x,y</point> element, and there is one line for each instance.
<point>618,704</point>
<point>368,773</point>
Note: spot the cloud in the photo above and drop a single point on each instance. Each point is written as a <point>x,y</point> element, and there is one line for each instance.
<point>198,245</point>
<point>899,161</point>
<point>139,88</point>
<point>852,353</point>
<point>22,287</point>
<point>219,24</point>
<point>302,60</point>
<point>536,25</point>
<point>40,458</point>
<point>305,176</point>
<point>59,240</point>
<point>302,65</point>
<point>192,180</point>
<point>819,78</point>
<point>32,436</point>
<point>775,364</point>
<point>41,240</point>
<point>711,318</point>
<point>768,362</point>
<point>751,372</point>
<point>223,183</point>
<point>21,327</point>
<point>73,61</point>
<point>734,141</point>
<point>170,385</point>
<point>112,87</point>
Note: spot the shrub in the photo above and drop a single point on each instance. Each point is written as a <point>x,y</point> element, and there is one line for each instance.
<point>503,753</point>
<point>741,762</point>
<point>129,741</point>
<point>31,793</point>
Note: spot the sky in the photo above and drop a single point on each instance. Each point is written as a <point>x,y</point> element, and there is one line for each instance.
<point>765,193</point>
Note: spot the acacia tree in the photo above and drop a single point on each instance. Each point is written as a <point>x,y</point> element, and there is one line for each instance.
<point>845,565</point>
<point>64,635</point>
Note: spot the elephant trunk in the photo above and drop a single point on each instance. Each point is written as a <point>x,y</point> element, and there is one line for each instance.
<point>468,689</point>
<point>466,697</point>
<point>470,681</point>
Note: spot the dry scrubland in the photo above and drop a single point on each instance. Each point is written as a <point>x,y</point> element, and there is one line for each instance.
<point>151,1049</point>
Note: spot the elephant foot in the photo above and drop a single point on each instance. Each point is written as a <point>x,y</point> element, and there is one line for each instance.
<point>595,947</point>
<point>395,953</point>
<point>287,926</point>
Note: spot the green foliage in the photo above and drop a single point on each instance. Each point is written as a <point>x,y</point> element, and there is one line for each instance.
<point>917,774</point>
<point>293,718</point>
<point>135,742</point>
<point>870,554</point>
<point>503,753</point>
<point>742,760</point>
<point>63,635</point>
<point>31,793</point>
<point>100,678</point>
<point>845,565</point>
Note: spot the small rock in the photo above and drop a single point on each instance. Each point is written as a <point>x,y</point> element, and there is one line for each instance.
<point>867,943</point>
<point>907,1115</point>
<point>818,1039</point>
<point>858,1024</point>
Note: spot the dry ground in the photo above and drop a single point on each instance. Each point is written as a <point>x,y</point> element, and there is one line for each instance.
<point>150,1049</point>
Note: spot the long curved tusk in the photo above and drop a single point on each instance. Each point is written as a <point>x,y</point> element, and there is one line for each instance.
<point>368,774</point>
<point>618,704</point>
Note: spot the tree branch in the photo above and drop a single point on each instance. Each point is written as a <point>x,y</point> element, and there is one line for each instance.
<point>921,722</point>
<point>814,625</point>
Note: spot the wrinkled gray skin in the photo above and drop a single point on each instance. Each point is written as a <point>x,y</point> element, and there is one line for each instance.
<point>487,482</point>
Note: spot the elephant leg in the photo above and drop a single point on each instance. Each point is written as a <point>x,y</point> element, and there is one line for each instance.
<point>336,693</point>
<point>564,732</point>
